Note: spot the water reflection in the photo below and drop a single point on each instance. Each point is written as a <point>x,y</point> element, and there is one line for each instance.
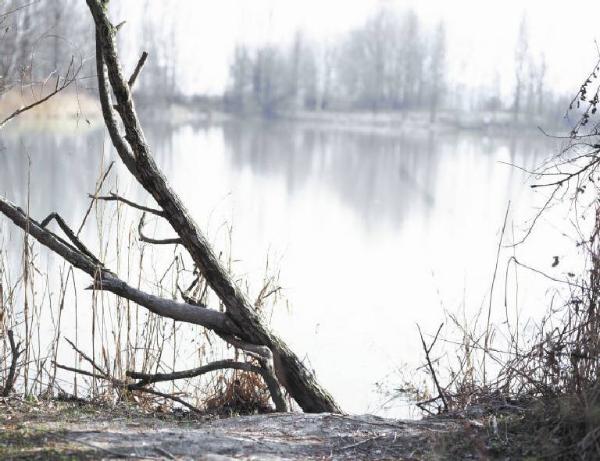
<point>62,169</point>
<point>380,177</point>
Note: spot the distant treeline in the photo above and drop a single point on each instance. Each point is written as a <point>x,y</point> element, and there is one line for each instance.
<point>38,40</point>
<point>391,62</point>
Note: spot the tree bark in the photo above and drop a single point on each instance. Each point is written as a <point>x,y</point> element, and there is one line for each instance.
<point>135,153</point>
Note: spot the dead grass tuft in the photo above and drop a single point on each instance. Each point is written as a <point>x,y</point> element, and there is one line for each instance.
<point>239,393</point>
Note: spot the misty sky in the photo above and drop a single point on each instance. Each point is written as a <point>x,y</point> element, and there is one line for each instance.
<point>481,34</point>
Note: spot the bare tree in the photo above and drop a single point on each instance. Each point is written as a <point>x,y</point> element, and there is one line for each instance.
<point>18,24</point>
<point>521,61</point>
<point>437,71</point>
<point>325,65</point>
<point>540,84</point>
<point>240,74</point>
<point>296,64</point>
<point>239,325</point>
<point>364,61</point>
<point>413,58</point>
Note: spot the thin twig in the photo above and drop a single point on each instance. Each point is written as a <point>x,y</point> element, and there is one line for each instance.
<point>144,238</point>
<point>489,315</point>
<point>66,82</point>
<point>117,198</point>
<point>98,188</point>
<point>87,358</point>
<point>430,365</point>
<point>70,234</point>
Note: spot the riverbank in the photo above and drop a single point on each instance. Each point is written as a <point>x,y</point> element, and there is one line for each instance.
<point>68,105</point>
<point>499,123</point>
<point>83,106</point>
<point>54,430</point>
<point>484,121</point>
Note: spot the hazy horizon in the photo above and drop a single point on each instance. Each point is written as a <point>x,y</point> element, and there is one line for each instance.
<point>481,35</point>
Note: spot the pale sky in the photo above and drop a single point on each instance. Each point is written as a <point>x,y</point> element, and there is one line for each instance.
<point>481,34</point>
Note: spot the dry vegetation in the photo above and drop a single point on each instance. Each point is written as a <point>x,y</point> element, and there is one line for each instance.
<point>66,105</point>
<point>509,392</point>
<point>115,337</point>
<point>534,386</point>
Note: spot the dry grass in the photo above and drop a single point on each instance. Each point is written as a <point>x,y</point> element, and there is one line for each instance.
<point>69,104</point>
<point>239,393</point>
<point>536,384</point>
<point>44,305</point>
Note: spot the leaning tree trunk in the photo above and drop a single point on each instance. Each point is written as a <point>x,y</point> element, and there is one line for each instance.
<point>240,326</point>
<point>135,153</point>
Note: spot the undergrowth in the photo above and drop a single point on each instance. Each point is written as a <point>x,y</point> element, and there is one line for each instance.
<point>534,387</point>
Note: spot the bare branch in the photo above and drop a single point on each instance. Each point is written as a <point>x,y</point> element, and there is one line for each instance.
<point>112,126</point>
<point>125,386</point>
<point>87,358</point>
<point>16,352</point>
<point>266,373</point>
<point>149,378</point>
<point>138,68</point>
<point>427,350</point>
<point>70,234</point>
<point>107,280</point>
<point>87,373</point>
<point>98,188</point>
<point>117,198</point>
<point>208,318</point>
<point>144,238</point>
<point>67,81</point>
<point>568,176</point>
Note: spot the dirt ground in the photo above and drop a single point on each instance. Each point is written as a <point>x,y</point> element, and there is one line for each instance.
<point>70,430</point>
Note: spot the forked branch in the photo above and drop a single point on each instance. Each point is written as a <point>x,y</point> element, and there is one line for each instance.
<point>146,239</point>
<point>268,377</point>
<point>117,198</point>
<point>106,280</point>
<point>15,350</point>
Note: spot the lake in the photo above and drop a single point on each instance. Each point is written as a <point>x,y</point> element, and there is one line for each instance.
<point>370,231</point>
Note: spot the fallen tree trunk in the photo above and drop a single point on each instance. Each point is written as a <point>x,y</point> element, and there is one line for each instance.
<point>135,153</point>
<point>239,324</point>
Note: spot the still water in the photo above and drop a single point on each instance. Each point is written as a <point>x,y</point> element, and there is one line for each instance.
<point>372,231</point>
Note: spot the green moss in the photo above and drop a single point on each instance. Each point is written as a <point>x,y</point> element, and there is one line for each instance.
<point>21,442</point>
